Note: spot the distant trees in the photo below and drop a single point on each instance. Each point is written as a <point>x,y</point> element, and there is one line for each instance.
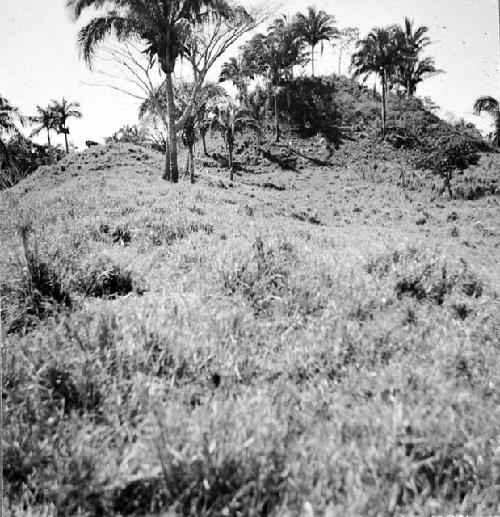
<point>63,111</point>
<point>170,30</point>
<point>379,54</point>
<point>413,69</point>
<point>9,118</point>
<point>490,105</point>
<point>346,39</point>
<point>314,28</point>
<point>273,57</point>
<point>46,119</point>
<point>393,54</point>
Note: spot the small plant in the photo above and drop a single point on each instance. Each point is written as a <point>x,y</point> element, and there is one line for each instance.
<point>104,279</point>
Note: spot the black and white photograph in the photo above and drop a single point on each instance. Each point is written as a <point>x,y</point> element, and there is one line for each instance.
<point>250,258</point>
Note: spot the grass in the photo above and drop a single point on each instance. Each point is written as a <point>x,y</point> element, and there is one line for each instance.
<point>222,356</point>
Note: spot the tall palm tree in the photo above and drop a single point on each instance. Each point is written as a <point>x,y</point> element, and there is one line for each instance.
<point>229,119</point>
<point>490,105</point>
<point>316,27</point>
<point>9,117</point>
<point>273,56</point>
<point>379,53</point>
<point>163,25</point>
<point>64,111</point>
<point>46,120</point>
<point>413,70</point>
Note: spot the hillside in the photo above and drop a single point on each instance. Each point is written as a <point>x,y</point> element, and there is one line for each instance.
<point>317,341</point>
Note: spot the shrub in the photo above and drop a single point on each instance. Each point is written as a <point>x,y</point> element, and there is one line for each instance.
<point>446,156</point>
<point>102,278</point>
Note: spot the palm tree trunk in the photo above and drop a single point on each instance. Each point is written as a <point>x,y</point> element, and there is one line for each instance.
<point>66,140</point>
<point>276,118</point>
<point>231,161</point>
<point>172,142</point>
<point>191,159</point>
<point>166,171</point>
<point>49,147</point>
<point>384,86</point>
<point>340,59</point>
<point>312,59</point>
<point>204,140</point>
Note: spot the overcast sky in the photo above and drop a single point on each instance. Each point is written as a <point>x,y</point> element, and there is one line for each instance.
<point>39,58</point>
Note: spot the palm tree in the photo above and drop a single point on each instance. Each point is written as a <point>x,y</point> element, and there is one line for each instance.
<point>9,116</point>
<point>64,111</point>
<point>47,119</point>
<point>488,104</point>
<point>164,26</point>
<point>233,71</point>
<point>379,53</point>
<point>413,70</point>
<point>316,27</point>
<point>273,56</point>
<point>229,120</point>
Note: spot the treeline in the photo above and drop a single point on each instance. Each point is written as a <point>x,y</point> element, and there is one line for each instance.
<point>19,155</point>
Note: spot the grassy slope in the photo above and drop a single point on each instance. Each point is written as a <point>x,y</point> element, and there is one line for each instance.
<point>264,364</point>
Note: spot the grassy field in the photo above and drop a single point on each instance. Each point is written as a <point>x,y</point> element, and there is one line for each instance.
<point>309,342</point>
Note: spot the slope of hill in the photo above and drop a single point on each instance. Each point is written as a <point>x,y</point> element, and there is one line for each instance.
<point>319,340</point>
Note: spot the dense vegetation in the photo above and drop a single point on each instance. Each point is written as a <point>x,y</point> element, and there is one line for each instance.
<point>309,326</point>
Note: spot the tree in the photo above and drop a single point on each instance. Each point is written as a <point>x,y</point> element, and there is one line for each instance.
<point>229,119</point>
<point>346,39</point>
<point>490,105</point>
<point>165,26</point>
<point>412,70</point>
<point>9,117</point>
<point>315,28</point>
<point>154,105</point>
<point>379,53</point>
<point>65,110</point>
<point>273,56</point>
<point>47,120</point>
<point>233,71</point>
<point>446,156</point>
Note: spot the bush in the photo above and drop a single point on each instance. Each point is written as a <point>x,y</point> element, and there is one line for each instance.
<point>103,278</point>
<point>446,156</point>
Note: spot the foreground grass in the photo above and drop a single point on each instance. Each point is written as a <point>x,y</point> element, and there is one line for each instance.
<point>247,350</point>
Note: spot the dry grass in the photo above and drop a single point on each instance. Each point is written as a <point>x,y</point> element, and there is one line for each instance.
<point>222,356</point>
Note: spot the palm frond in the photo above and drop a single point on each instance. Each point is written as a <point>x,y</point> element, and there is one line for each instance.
<point>486,104</point>
<point>92,34</point>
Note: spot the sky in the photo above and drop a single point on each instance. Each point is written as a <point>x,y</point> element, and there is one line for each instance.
<point>39,59</point>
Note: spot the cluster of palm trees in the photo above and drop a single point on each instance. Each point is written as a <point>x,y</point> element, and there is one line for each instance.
<point>54,117</point>
<point>394,55</point>
<point>288,42</point>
